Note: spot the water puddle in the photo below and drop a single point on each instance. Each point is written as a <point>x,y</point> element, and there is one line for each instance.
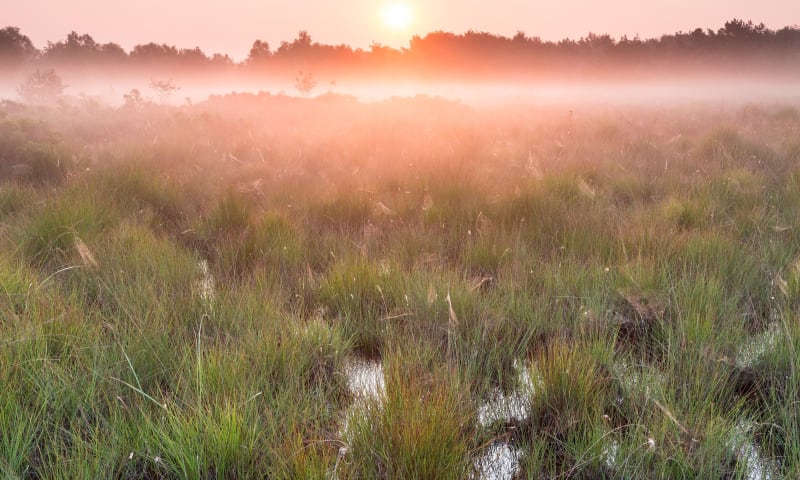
<point>512,407</point>
<point>650,382</point>
<point>610,453</point>
<point>499,462</point>
<point>640,380</point>
<point>759,345</point>
<point>367,384</point>
<point>365,379</point>
<point>756,467</point>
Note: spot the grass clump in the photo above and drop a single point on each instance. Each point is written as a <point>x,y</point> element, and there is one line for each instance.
<point>50,237</point>
<point>360,296</point>
<point>571,394</point>
<point>136,191</point>
<point>418,428</point>
<point>272,245</point>
<point>15,198</point>
<point>686,214</point>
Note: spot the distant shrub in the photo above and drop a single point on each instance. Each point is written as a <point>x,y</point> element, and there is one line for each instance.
<point>31,152</point>
<point>305,83</point>
<point>47,164</point>
<point>42,86</point>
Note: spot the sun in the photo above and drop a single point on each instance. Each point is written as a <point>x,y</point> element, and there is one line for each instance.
<point>396,16</point>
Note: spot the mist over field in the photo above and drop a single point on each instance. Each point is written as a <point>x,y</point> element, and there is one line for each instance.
<point>741,60</point>
<point>678,90</point>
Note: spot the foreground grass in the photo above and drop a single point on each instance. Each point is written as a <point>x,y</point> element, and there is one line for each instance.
<point>631,283</point>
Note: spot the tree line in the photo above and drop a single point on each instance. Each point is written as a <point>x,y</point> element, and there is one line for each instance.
<point>737,46</point>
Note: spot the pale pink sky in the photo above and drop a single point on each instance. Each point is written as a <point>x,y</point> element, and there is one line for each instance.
<point>231,26</point>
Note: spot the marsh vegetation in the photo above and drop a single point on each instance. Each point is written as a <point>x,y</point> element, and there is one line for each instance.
<point>260,286</point>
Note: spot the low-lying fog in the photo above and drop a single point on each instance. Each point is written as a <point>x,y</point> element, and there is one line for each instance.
<point>633,92</point>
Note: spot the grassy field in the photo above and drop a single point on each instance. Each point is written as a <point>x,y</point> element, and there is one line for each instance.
<point>268,287</point>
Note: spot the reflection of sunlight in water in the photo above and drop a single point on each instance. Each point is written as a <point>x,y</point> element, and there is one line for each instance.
<point>511,407</point>
<point>366,382</point>
<point>365,379</point>
<point>500,462</point>
<point>640,380</point>
<point>650,383</point>
<point>756,467</point>
<point>610,451</point>
<point>759,345</point>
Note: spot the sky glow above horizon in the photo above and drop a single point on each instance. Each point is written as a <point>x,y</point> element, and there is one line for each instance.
<point>231,27</point>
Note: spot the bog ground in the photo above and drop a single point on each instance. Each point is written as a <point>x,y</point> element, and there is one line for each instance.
<point>260,286</point>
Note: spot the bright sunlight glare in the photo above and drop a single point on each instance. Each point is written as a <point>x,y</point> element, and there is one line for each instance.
<point>396,16</point>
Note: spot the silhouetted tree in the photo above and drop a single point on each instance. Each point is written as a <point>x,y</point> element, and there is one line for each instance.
<point>164,89</point>
<point>739,45</point>
<point>15,48</point>
<point>76,47</point>
<point>192,57</point>
<point>742,30</point>
<point>153,54</point>
<point>305,83</point>
<point>259,52</point>
<point>133,100</point>
<point>112,51</point>
<point>42,86</point>
<point>220,60</point>
<point>299,47</point>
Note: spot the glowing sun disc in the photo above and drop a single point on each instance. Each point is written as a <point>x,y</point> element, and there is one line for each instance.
<point>396,16</point>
